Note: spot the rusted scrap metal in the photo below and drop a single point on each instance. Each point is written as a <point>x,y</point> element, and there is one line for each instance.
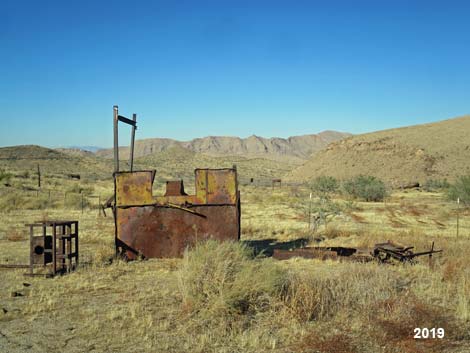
<point>324,253</point>
<point>276,182</point>
<point>382,252</point>
<point>175,188</point>
<point>53,247</point>
<point>9,266</point>
<point>386,252</point>
<point>74,176</point>
<point>163,226</point>
<point>132,122</point>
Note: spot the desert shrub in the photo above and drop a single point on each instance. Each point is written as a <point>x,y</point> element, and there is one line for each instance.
<point>5,176</point>
<point>365,187</point>
<point>324,185</point>
<point>221,281</point>
<point>460,189</point>
<point>436,184</point>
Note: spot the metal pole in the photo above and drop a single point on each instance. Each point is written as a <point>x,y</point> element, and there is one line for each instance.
<point>39,177</point>
<point>54,246</point>
<point>116,143</point>
<point>31,250</point>
<point>309,211</point>
<point>131,154</point>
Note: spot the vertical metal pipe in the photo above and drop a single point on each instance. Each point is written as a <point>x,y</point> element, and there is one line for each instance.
<point>39,177</point>
<point>116,143</point>
<point>54,248</point>
<point>31,248</point>
<point>76,244</point>
<point>131,153</point>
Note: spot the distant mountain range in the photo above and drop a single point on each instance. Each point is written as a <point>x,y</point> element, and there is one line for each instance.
<point>85,148</point>
<point>295,149</point>
<point>398,156</point>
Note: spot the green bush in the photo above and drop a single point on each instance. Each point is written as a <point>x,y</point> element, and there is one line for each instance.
<point>5,176</point>
<point>365,187</point>
<point>436,184</point>
<point>460,189</point>
<point>324,185</point>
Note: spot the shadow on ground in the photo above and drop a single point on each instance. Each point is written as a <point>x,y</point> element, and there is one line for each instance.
<point>267,246</point>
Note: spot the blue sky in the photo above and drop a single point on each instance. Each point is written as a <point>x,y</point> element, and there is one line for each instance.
<point>197,68</point>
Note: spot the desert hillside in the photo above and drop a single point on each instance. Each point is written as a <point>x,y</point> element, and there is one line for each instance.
<point>175,162</point>
<point>26,158</point>
<point>409,154</point>
<point>294,149</point>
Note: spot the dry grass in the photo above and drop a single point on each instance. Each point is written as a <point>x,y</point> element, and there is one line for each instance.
<point>221,299</point>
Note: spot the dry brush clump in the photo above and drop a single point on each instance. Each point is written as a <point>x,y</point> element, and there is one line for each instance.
<point>222,281</point>
<point>323,291</point>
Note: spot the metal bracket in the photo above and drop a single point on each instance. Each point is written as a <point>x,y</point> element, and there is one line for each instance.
<point>133,123</point>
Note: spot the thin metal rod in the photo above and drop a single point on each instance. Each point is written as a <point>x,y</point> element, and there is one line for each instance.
<point>54,248</point>
<point>76,244</point>
<point>131,153</point>
<point>116,143</point>
<point>31,250</point>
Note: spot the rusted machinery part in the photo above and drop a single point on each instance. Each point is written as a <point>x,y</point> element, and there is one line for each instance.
<point>389,251</point>
<point>324,253</point>
<point>10,266</point>
<point>383,253</point>
<point>164,226</point>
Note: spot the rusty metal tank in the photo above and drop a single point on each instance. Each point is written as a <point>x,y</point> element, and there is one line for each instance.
<point>164,226</point>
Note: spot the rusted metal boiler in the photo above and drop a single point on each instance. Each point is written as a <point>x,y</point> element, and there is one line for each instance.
<point>164,226</point>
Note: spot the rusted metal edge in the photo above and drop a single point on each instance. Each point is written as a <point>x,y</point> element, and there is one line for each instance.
<point>213,169</point>
<point>49,223</point>
<point>9,266</point>
<point>177,206</point>
<point>153,171</point>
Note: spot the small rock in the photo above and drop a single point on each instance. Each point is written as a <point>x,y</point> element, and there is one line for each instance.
<point>26,284</point>
<point>16,294</point>
<point>4,310</point>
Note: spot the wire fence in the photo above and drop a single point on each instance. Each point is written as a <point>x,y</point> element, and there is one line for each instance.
<point>42,198</point>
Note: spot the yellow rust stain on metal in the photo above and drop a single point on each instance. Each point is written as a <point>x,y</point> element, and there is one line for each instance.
<point>216,186</point>
<point>134,188</point>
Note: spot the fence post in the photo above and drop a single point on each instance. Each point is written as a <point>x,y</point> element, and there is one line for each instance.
<point>309,211</point>
<point>39,177</point>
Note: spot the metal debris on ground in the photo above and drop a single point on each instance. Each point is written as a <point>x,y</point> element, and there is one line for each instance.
<point>383,252</point>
